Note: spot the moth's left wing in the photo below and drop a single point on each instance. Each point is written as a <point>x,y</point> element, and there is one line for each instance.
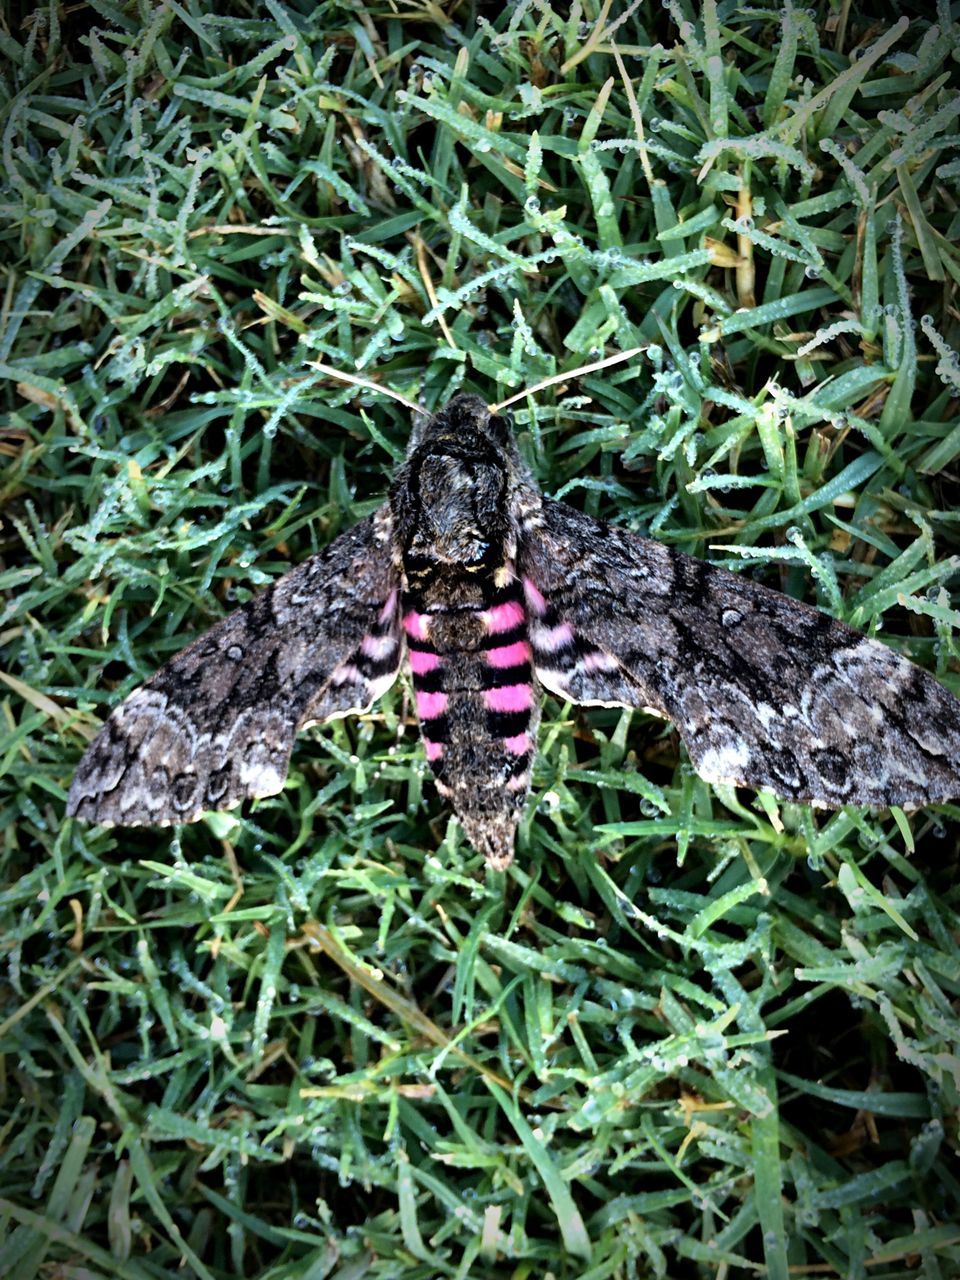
<point>217,723</point>
<point>765,691</point>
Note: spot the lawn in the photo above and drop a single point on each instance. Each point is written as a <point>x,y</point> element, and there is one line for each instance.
<point>692,1032</point>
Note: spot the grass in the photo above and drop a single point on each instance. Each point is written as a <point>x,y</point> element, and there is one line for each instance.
<point>691,1033</point>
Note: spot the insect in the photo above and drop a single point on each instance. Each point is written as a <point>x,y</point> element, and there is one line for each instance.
<point>489,593</point>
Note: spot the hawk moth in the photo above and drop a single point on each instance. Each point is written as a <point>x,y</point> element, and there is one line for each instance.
<point>488,592</point>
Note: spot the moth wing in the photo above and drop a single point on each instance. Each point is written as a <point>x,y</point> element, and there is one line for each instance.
<point>217,723</point>
<point>765,692</point>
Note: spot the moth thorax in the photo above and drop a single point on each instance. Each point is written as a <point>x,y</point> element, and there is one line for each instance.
<point>461,517</point>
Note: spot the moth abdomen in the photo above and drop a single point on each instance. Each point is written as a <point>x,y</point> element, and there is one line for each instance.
<point>520,671</point>
<point>430,680</point>
<point>519,777</point>
<point>477,698</point>
<point>513,721</point>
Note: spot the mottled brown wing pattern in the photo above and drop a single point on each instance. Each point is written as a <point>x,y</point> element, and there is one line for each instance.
<point>217,723</point>
<point>765,692</point>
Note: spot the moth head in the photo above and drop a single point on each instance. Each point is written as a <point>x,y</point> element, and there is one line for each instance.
<point>453,498</point>
<point>467,420</point>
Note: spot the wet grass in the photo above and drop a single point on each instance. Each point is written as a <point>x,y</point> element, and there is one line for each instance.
<point>691,1032</point>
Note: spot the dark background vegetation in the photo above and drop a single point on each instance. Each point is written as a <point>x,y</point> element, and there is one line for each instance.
<point>691,1033</point>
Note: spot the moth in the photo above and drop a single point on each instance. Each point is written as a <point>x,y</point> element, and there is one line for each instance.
<point>487,593</point>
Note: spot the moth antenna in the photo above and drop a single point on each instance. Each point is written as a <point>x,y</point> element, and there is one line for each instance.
<point>566,376</point>
<point>365,383</point>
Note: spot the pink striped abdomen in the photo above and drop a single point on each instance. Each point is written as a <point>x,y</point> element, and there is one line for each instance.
<point>477,696</point>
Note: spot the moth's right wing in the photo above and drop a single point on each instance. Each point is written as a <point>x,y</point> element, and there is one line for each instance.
<point>217,723</point>
<point>765,691</point>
